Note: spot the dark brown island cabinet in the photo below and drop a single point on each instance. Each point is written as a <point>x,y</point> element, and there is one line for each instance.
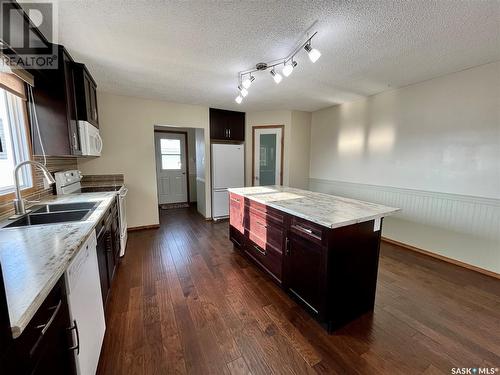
<point>227,125</point>
<point>331,272</point>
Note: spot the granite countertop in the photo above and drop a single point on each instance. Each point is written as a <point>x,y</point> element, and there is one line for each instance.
<point>34,258</point>
<point>324,209</point>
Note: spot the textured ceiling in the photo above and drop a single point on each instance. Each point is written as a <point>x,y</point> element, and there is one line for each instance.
<point>191,51</point>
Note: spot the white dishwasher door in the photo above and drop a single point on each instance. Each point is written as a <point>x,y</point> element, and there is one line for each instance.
<point>85,304</point>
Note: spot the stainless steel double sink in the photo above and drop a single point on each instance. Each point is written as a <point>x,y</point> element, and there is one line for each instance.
<point>55,213</point>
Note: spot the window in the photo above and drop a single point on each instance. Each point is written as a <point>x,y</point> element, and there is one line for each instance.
<point>14,146</point>
<point>170,154</point>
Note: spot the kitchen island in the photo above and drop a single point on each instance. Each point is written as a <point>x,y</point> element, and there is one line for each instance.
<point>323,250</point>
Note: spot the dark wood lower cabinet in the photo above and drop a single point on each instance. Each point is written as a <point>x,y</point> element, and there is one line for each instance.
<point>304,271</point>
<point>108,249</point>
<point>332,273</point>
<point>45,346</point>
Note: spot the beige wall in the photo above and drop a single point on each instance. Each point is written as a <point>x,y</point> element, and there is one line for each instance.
<point>127,129</point>
<point>200,171</point>
<point>438,135</point>
<point>296,144</point>
<point>431,148</point>
<point>300,142</point>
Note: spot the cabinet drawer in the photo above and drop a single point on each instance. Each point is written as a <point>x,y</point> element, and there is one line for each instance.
<point>265,233</point>
<point>269,259</point>
<point>307,229</point>
<point>267,213</point>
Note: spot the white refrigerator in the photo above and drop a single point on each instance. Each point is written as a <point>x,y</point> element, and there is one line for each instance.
<point>228,171</point>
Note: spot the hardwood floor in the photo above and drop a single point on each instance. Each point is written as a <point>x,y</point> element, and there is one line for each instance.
<point>183,301</point>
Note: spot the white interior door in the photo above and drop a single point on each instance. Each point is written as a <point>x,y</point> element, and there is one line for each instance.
<point>267,155</point>
<point>171,167</point>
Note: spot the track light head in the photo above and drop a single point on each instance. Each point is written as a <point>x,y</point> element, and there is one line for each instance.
<point>247,82</point>
<point>288,68</point>
<point>276,76</point>
<point>243,91</point>
<point>238,99</point>
<point>313,53</point>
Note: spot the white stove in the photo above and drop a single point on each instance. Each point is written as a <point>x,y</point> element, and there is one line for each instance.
<point>69,182</point>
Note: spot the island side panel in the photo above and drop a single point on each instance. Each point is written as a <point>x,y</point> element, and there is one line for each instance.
<point>353,257</point>
<point>236,219</point>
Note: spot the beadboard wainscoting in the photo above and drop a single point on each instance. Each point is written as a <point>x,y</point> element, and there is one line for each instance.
<point>463,228</point>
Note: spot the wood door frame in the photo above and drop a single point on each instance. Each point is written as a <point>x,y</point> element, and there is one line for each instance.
<point>282,127</point>
<point>186,157</point>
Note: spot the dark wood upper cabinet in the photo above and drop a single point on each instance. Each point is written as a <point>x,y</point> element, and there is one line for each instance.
<point>55,103</point>
<point>86,95</point>
<point>227,125</point>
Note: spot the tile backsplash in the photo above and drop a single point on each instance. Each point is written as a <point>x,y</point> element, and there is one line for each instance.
<point>102,180</point>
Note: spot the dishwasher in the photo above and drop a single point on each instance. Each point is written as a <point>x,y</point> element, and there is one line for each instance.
<point>86,308</point>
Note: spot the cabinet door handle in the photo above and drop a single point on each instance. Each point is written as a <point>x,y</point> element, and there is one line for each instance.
<point>46,326</point>
<point>287,246</point>
<point>77,346</point>
<point>235,200</point>
<point>229,132</point>
<point>75,143</point>
<point>263,252</point>
<point>307,230</point>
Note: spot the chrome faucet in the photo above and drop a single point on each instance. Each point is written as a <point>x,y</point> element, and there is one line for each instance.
<point>19,202</point>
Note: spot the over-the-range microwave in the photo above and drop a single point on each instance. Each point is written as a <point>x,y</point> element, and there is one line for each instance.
<point>90,140</point>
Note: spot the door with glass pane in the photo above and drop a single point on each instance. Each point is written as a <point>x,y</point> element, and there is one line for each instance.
<point>267,155</point>
<point>171,167</point>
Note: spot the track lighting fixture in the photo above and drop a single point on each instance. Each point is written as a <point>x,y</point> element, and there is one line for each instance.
<point>243,91</point>
<point>276,76</point>
<point>288,68</point>
<point>245,78</point>
<point>248,81</point>
<point>313,53</point>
